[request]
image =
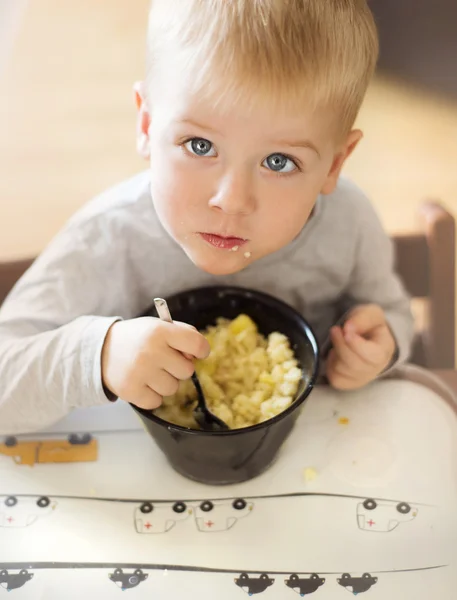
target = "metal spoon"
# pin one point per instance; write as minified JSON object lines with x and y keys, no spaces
{"x":204,"y":417}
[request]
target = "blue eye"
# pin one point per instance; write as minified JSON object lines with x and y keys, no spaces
{"x":200,"y":147}
{"x":279,"y":163}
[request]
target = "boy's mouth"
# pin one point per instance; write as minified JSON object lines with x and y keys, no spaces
{"x":223,"y":242}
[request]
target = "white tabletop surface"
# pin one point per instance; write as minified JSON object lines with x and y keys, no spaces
{"x":379,"y":518}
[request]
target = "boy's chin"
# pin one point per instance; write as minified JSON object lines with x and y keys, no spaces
{"x":224,"y":266}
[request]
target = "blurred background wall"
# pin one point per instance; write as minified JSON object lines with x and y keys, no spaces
{"x":67,"y":116}
{"x":419,"y":41}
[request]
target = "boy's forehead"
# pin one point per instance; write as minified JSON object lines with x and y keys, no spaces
{"x":179,"y":103}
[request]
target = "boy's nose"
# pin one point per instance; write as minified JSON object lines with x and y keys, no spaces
{"x":234,"y":195}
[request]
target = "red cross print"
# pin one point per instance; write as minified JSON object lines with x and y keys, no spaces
{"x":10,"y":519}
{"x":148,"y":525}
{"x":371,"y":523}
{"x":209,"y":524}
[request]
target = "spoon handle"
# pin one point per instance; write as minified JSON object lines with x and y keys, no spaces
{"x":164,"y":314}
{"x":163,"y":310}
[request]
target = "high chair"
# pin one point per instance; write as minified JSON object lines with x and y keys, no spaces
{"x":425,"y":260}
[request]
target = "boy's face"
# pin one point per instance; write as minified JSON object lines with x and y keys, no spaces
{"x":233,"y":187}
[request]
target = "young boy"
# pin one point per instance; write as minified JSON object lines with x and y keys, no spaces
{"x":246,"y":118}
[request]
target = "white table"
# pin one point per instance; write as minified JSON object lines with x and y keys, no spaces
{"x":380,"y":518}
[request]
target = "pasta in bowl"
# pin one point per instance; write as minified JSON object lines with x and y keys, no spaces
{"x":247,"y":379}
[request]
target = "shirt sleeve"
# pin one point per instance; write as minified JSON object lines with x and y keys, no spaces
{"x":374,"y":280}
{"x":52,"y":329}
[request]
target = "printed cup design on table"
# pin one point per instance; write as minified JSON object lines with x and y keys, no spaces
{"x":24,"y":511}
{"x":13,"y":581}
{"x":357,"y":585}
{"x":160,"y":517}
{"x":254,"y":585}
{"x":383,"y":517}
{"x":305,"y":586}
{"x":127,"y":581}
{"x":221,"y":515}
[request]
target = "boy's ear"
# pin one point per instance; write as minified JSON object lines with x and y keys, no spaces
{"x":143,"y":121}
{"x":340,"y":158}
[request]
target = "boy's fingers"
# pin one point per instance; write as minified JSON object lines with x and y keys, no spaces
{"x":384,"y":337}
{"x":147,"y":399}
{"x":188,"y":340}
{"x":335,"y":365}
{"x":346,"y":355}
{"x":164,"y":384}
{"x":372,"y":352}
{"x":338,"y":375}
{"x":179,"y":365}
{"x":188,"y":325}
{"x":363,"y":319}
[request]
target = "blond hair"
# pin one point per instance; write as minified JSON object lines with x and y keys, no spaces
{"x":321,"y":53}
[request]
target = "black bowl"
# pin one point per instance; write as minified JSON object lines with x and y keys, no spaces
{"x":226,"y":457}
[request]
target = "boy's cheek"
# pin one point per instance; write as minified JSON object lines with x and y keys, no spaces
{"x":176,"y":207}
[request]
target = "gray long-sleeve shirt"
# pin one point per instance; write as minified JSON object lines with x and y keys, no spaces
{"x":113,"y":257}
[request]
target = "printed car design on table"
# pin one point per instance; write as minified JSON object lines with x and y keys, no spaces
{"x":254,"y":585}
{"x":220,"y":515}
{"x":127,"y":581}
{"x":357,"y":585}
{"x":209,"y":515}
{"x":24,"y":511}
{"x":76,"y":448}
{"x":383,"y":516}
{"x":13,"y":581}
{"x":305,"y":586}
{"x":160,"y":517}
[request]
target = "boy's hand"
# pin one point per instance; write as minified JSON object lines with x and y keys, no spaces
{"x":362,"y":348}
{"x":143,"y":359}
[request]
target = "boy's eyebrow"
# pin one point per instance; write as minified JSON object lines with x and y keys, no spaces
{"x":299,"y":144}
{"x":196,"y":124}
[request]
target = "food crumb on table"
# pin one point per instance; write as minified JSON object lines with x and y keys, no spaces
{"x":309,"y":474}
